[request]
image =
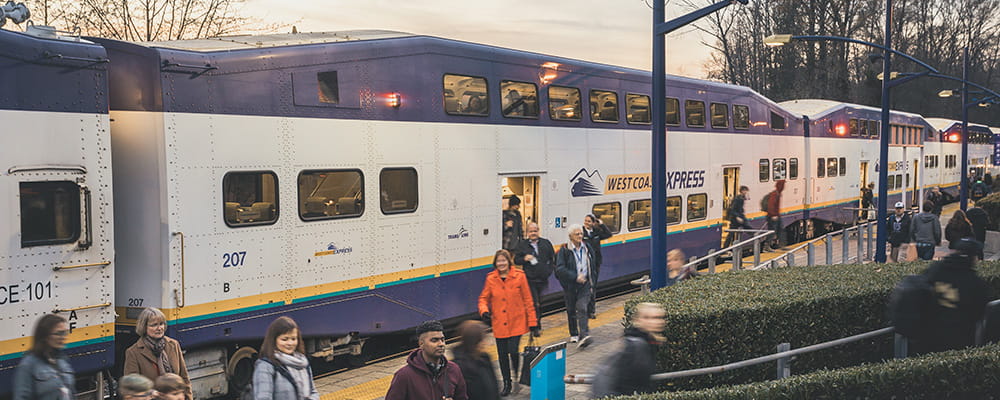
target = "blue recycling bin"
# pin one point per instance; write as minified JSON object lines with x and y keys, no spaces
{"x":547,"y":371}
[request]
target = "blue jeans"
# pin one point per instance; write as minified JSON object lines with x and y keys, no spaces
{"x":925,"y":251}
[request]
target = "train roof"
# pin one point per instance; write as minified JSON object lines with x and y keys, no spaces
{"x":819,"y":108}
{"x":243,"y":42}
{"x":943,"y":124}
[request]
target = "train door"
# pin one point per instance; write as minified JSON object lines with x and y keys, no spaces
{"x":525,"y":189}
{"x":730,"y":188}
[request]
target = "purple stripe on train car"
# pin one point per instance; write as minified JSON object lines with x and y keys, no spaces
{"x":282,"y":81}
{"x":51,"y":75}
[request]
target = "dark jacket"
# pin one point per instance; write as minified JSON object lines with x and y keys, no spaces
{"x":867,"y":197}
{"x":628,"y":371}
{"x":980,"y":220}
{"x":139,"y":359}
{"x":594,"y":238}
{"x":961,"y":298}
{"x":480,"y":379}
{"x":926,"y":228}
{"x":415,"y":382}
{"x":566,"y":266}
{"x":512,"y":235}
{"x":937,"y":200}
{"x":736,"y":214}
{"x":955,"y":231}
{"x":273,"y":381}
{"x":546,"y":256}
{"x":37,"y":379}
{"x":899,"y":232}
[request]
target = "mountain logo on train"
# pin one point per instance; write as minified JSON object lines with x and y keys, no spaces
{"x":582,"y":185}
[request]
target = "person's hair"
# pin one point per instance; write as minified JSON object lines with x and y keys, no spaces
{"x":169,"y":383}
{"x":676,"y":252}
{"x":146,"y":317}
{"x":742,"y":188}
{"x":959,"y":221}
{"x":514,"y":201}
{"x":472,"y":333}
{"x":44,"y":328}
{"x":928,"y":207}
{"x":429,"y":326}
{"x":133,"y":384}
{"x":573,"y":228}
{"x":643,"y":308}
{"x":593,"y":218}
{"x":505,"y":254}
{"x":280,"y":326}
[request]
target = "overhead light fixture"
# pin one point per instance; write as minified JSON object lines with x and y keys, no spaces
{"x":777,"y":40}
{"x":946,"y":93}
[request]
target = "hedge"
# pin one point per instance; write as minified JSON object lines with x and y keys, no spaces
{"x":991,"y":204}
{"x":960,"y":374}
{"x":723,"y":318}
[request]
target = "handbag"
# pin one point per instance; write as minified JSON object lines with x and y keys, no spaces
{"x":529,"y":354}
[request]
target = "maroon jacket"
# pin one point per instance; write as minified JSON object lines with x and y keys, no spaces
{"x":415,"y":382}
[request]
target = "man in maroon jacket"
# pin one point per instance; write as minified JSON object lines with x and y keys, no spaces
{"x":774,"y":213}
{"x":428,"y":375}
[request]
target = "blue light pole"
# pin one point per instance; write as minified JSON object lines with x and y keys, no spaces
{"x":658,"y":155}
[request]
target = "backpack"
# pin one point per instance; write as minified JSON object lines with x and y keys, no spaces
{"x":978,"y":190}
{"x":910,"y":305}
{"x":764,"y":200}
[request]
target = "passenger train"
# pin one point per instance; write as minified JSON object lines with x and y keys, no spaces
{"x":355,"y":180}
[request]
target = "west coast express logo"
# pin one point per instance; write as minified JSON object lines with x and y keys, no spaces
{"x":462,"y":233}
{"x":632,"y":183}
{"x":332,"y":249}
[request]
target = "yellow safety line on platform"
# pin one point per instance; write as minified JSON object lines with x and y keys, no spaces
{"x":377,"y":388}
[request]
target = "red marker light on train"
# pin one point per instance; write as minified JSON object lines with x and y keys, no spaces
{"x":954,"y":138}
{"x":840,"y":130}
{"x":394,"y":100}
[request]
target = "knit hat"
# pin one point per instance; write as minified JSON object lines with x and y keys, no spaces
{"x":514,"y":201}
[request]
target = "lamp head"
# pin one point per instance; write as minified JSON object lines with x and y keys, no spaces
{"x":777,"y":40}
{"x":892,"y":75}
{"x":946,"y":93}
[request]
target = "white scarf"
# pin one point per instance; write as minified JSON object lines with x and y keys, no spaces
{"x":298,"y":366}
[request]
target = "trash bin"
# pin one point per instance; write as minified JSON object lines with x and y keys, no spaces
{"x":547,"y":371}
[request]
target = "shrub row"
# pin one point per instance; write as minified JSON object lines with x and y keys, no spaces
{"x":724,"y":318}
{"x":961,"y":374}
{"x":991,"y":204}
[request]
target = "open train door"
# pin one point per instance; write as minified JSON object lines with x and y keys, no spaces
{"x":527,"y":191}
{"x":730,"y":188}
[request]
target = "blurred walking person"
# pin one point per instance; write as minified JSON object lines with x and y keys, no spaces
{"x":44,"y":373}
{"x":628,"y":371}
{"x":573,"y":269}
{"x":676,"y":271}
{"x":773,"y":210}
{"x":477,"y":369}
{"x":282,"y":372}
{"x":135,"y":387}
{"x":506,"y":303}
{"x":170,"y":387}
{"x":737,"y":216}
{"x":155,"y":353}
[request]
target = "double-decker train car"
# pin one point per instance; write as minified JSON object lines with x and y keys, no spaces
{"x":55,"y":201}
{"x":981,"y":150}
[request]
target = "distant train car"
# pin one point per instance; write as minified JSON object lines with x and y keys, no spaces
{"x":56,"y":201}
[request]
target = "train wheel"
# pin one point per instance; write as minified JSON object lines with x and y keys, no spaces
{"x":239,"y":370}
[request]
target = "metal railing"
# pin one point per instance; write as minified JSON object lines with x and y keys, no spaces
{"x":784,"y":355}
{"x":864,"y":235}
{"x":736,"y":249}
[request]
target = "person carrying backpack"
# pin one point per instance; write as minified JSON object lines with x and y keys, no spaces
{"x":629,"y":371}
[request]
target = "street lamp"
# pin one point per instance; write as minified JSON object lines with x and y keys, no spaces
{"x":883,"y":172}
{"x":658,"y":161}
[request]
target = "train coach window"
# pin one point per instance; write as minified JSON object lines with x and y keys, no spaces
{"x":694,"y":112}
{"x":50,"y":213}
{"x":831,"y":167}
{"x":466,"y":95}
{"x":673,"y":112}
{"x":764,"y":169}
{"x":564,"y":103}
{"x":637,"y":111}
{"x":820,"y":167}
{"x":331,"y":194}
{"x":793,"y":168}
{"x":673,"y":210}
{"x":329,"y":91}
{"x":863,"y":127}
{"x":873,"y":128}
{"x":843,"y":166}
{"x":780,"y":168}
{"x":398,"y":190}
{"x":518,"y":99}
{"x":610,"y":214}
{"x":741,"y":117}
{"x":250,"y":198}
{"x":720,"y":115}
{"x":697,"y":207}
{"x":639,"y":214}
{"x":778,"y":122}
{"x":852,"y":126}
{"x":603,"y":106}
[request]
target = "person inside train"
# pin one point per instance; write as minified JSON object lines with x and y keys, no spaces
{"x":135,"y":387}
{"x":477,"y":369}
{"x":506,"y":303}
{"x":282,"y":372}
{"x":512,"y":228}
{"x":537,"y":258}
{"x":476,"y":105}
{"x":428,"y":375}
{"x":155,"y":353}
{"x":574,"y":270}
{"x":45,"y":373}
{"x":737,"y":215}
{"x":170,"y":387}
{"x":594,"y":231}
{"x":514,"y":105}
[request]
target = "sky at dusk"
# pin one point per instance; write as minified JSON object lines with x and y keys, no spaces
{"x":614,"y":32}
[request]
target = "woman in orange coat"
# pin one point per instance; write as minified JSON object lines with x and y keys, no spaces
{"x":506,"y":301}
